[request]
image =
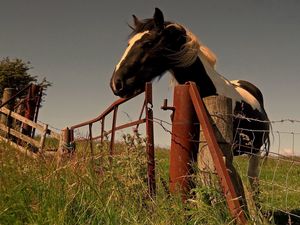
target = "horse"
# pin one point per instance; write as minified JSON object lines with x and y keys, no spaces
{"x":156,"y":46}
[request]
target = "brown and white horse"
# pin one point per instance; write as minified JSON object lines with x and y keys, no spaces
{"x":157,"y":46}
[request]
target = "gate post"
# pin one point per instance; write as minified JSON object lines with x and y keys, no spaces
{"x":150,"y":140}
{"x":31,"y":102}
{"x":7,"y":94}
{"x":184,"y":143}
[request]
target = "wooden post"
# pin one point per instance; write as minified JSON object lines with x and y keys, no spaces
{"x":64,"y":142}
{"x":220,"y":110}
{"x":7,"y":94}
{"x":43,"y":138}
{"x":20,"y":109}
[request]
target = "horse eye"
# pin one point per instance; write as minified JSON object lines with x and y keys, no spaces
{"x":148,"y":44}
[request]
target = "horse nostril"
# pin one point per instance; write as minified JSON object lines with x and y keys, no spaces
{"x":119,"y":84}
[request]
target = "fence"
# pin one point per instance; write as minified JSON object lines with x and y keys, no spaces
{"x":19,"y":121}
{"x":148,"y":119}
{"x":278,"y":176}
{"x":180,"y":148}
{"x":35,"y":145}
{"x":279,"y":190}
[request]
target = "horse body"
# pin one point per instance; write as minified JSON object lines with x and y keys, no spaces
{"x":158,"y":46}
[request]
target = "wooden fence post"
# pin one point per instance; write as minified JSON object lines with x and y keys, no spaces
{"x":220,"y":110}
{"x":7,"y":94}
{"x":64,"y":143}
{"x":43,"y":138}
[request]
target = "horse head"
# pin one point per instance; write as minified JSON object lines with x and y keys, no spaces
{"x":148,"y":55}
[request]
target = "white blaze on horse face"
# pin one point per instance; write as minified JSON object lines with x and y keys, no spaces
{"x":132,"y":41}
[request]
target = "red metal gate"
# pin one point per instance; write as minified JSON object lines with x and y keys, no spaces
{"x":113,"y":108}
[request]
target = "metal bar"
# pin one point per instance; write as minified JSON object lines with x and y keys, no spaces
{"x":102,"y":130}
{"x":183,"y":145}
{"x":127,"y":125}
{"x":119,"y":128}
{"x":30,"y":108}
{"x":37,"y":109}
{"x":107,"y":111}
{"x":150,"y":140}
{"x":91,"y":139}
{"x":112,"y":138}
{"x":140,"y":116}
{"x":217,"y":156}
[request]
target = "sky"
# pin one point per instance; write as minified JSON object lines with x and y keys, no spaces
{"x":76,"y":44}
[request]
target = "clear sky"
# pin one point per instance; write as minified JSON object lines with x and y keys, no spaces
{"x":76,"y":45}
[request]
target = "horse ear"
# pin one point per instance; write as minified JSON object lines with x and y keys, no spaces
{"x":136,"y":21}
{"x":158,"y":18}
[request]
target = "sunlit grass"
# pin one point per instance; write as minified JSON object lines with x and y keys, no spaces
{"x":98,"y":189}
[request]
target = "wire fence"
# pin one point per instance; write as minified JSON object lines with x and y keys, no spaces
{"x":279,"y":172}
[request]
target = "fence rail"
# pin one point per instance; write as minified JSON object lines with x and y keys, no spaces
{"x":25,"y":140}
{"x":272,"y":181}
{"x":113,"y":108}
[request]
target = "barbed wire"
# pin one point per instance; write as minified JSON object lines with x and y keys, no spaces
{"x":271,"y":184}
{"x":50,"y":126}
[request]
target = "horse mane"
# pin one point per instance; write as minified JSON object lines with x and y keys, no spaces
{"x":188,"y":52}
{"x":191,"y":50}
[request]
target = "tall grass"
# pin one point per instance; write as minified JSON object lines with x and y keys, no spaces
{"x":97,"y":190}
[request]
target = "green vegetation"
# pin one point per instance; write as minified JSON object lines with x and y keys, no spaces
{"x":97,"y":190}
{"x":279,"y":182}
{"x":14,"y":73}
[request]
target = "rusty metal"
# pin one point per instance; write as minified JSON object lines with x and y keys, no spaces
{"x":166,"y":107}
{"x":150,"y":140}
{"x":102,"y":130}
{"x":113,"y":131}
{"x":217,"y":156}
{"x":131,"y":124}
{"x":91,"y":139}
{"x":183,"y":145}
{"x":147,"y":108}
{"x":30,"y":103}
{"x":37,"y":107}
{"x":104,"y":114}
{"x":140,"y":117}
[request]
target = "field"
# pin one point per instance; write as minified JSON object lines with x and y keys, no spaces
{"x":90,"y":190}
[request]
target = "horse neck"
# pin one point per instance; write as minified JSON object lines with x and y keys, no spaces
{"x":197,"y":73}
{"x":209,"y":81}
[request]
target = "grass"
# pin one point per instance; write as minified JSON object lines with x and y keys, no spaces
{"x":91,"y":190}
{"x":279,"y":182}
